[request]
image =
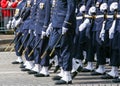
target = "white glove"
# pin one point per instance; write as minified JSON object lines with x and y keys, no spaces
{"x":43,"y":34}
{"x":97,"y":4}
{"x":112,"y":30}
{"x":64,"y":30}
{"x":102,"y":33}
{"x":82,"y":9}
{"x":29,"y":31}
{"x":113,"y":6}
{"x":103,"y":7}
{"x":17,"y":23}
{"x":92,"y":10}
{"x":34,"y":33}
{"x":49,"y":29}
{"x":84,"y":25}
{"x":9,"y":24}
{"x":13,"y":23}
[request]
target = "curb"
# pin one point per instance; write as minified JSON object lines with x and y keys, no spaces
{"x":6,"y":41}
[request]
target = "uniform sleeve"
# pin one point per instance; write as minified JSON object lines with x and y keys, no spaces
{"x":4,"y":4}
{"x":47,"y":15}
{"x":70,"y":13}
{"x":26,"y":13}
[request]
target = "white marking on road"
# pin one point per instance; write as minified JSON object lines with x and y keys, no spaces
{"x":11,"y":72}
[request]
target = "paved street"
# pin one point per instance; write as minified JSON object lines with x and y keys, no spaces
{"x":11,"y":75}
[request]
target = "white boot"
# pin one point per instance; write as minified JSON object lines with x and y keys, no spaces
{"x":114,"y":72}
{"x":75,"y":64}
{"x":19,"y":59}
{"x":101,"y":69}
{"x":26,"y":63}
{"x":44,"y":70}
{"x":67,"y":76}
{"x":89,"y":66}
{"x":36,"y":68}
{"x":61,"y":74}
{"x":51,"y":61}
{"x":108,"y":60}
{"x":56,"y":60}
{"x":30,"y":65}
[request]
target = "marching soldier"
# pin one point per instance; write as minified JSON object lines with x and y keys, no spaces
{"x":117,"y":32}
{"x":114,"y":62}
{"x":88,"y":25}
{"x":30,"y":30}
{"x":80,"y":43}
{"x":64,"y":23}
{"x":41,"y":22}
{"x":97,"y":44}
{"x":18,"y":33}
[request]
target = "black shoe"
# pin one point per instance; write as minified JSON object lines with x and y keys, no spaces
{"x":79,"y":69}
{"x":86,"y":70}
{"x":25,"y":69}
{"x":117,"y":80}
{"x":107,"y":76}
{"x":16,"y":62}
{"x":32,"y":72}
{"x":74,"y":74}
{"x":41,"y":75}
{"x":22,"y":66}
{"x":60,"y":82}
{"x":50,"y":65}
{"x":56,"y":78}
{"x":56,"y":68}
{"x":96,"y":73}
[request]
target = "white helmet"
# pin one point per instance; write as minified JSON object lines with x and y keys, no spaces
{"x":82,"y":9}
{"x":103,"y":7}
{"x":92,"y":10}
{"x":113,"y":6}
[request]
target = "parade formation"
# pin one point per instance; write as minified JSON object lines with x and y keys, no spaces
{"x":64,"y":33}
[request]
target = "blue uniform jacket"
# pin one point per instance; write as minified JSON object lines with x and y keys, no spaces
{"x":42,"y":17}
{"x":64,"y":14}
{"x":31,"y":17}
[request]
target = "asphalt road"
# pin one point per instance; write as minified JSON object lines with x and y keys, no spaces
{"x":11,"y":75}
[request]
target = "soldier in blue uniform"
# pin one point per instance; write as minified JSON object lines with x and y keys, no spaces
{"x":18,"y":13}
{"x":80,"y":40}
{"x":97,"y":44}
{"x":112,"y":32}
{"x":116,"y":44}
{"x":64,"y":24}
{"x":29,"y":29}
{"x":41,"y":22}
{"x":88,"y":24}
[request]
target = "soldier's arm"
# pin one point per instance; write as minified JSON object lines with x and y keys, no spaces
{"x":47,"y":15}
{"x":70,"y":12}
{"x":26,"y":13}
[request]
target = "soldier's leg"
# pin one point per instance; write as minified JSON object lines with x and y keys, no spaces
{"x":117,"y":80}
{"x":37,"y":54}
{"x":66,"y":56}
{"x":80,"y":45}
{"x":107,"y":47}
{"x":114,"y":62}
{"x":45,"y":60}
{"x":29,"y":59}
{"x":90,"y":53}
{"x":17,"y":46}
{"x":101,"y":60}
